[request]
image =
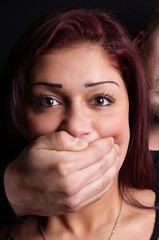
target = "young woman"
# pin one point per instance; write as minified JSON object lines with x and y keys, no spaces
{"x":76,"y":73}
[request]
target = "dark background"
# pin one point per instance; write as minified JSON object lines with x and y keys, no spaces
{"x":16,"y":15}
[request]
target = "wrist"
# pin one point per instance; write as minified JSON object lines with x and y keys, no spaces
{"x":7,"y":214}
{"x":11,"y":190}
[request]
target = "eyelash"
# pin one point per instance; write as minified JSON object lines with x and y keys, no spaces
{"x":110,"y":98}
{"x":38,"y":101}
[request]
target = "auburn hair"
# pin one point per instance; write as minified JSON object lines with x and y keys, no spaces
{"x":64,"y":28}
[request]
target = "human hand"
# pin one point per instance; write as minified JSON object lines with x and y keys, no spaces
{"x":58,"y":173}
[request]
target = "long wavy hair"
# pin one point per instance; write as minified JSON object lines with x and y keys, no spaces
{"x":65,"y":28}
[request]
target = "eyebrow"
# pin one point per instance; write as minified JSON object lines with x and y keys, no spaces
{"x":98,"y":83}
{"x":54,"y":85}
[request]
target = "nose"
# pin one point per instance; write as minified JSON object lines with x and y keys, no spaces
{"x":77,"y":122}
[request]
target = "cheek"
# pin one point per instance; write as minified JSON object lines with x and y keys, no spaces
{"x":41,"y":124}
{"x":116,"y":126}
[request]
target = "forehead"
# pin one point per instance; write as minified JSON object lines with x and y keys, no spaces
{"x":86,"y":60}
{"x":80,"y":52}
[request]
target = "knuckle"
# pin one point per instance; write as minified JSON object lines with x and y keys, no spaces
{"x":71,"y":203}
{"x":62,"y":168}
{"x":70,"y":188}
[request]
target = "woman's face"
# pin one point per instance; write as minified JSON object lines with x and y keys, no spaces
{"x":78,"y":90}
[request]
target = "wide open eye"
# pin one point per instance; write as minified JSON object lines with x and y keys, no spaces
{"x":102,"y":100}
{"x":46,"y":102}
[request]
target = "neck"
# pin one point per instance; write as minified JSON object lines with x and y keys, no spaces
{"x":154,"y":138}
{"x":97,"y":215}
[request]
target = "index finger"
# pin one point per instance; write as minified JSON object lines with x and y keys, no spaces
{"x":61,"y":141}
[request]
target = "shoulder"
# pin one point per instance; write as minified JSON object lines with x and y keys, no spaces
{"x":147,"y":197}
{"x":140,"y":214}
{"x":142,"y":205}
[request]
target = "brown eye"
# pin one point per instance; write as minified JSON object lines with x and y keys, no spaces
{"x":46,"y":102}
{"x":101,"y":101}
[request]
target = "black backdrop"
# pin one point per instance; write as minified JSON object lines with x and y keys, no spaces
{"x":16,"y":15}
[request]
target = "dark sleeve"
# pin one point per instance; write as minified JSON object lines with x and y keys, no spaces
{"x":155,"y":235}
{"x":7,"y":214}
{"x":157,"y":177}
{"x":155,"y":159}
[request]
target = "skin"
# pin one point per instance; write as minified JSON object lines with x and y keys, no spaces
{"x":44,"y":161}
{"x":47,"y":160}
{"x":75,"y":109}
{"x":94,"y":106}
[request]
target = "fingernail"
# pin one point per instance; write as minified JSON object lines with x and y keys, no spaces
{"x":118,"y":159}
{"x":112,"y":140}
{"x":116,"y":147}
{"x":80,"y":141}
